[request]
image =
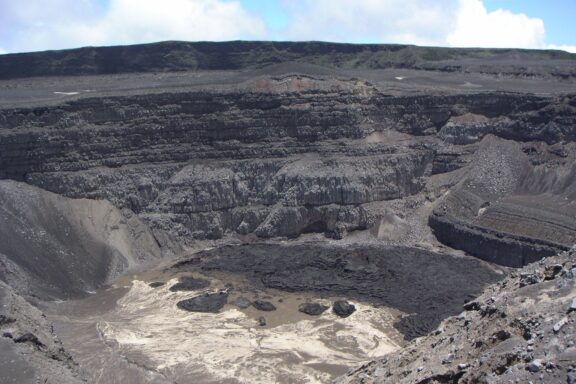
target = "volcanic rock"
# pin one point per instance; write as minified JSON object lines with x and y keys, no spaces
{"x":391,"y":276}
{"x":312,"y":309}
{"x":263,"y":305}
{"x":62,"y":248}
{"x":242,"y":302}
{"x":29,"y":338}
{"x":343,"y":308}
{"x":501,"y":189}
{"x":210,"y":302}
{"x":390,"y":149}
{"x":189,"y":284}
{"x":533,"y":342}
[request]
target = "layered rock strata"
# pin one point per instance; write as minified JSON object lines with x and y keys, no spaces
{"x":508,"y":211}
{"x":198,"y":165}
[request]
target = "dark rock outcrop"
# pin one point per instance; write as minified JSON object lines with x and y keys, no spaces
{"x":190,"y":284}
{"x":297,"y":138}
{"x":210,"y":302}
{"x":203,"y":164}
{"x":510,"y":334}
{"x":343,"y":308}
{"x":398,"y":277}
{"x":508,"y":211}
{"x":29,"y":338}
{"x":312,"y":309}
{"x":263,"y":305}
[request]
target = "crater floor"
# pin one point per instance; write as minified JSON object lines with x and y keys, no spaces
{"x":161,"y":343}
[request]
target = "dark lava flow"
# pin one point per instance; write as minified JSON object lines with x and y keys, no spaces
{"x":428,"y":286}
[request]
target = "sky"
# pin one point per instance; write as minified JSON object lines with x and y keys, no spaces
{"x":36,"y":25}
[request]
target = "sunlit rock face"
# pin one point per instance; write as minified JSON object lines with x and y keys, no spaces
{"x":201,"y":165}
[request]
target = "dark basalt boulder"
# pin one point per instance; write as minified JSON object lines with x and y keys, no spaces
{"x":343,"y":308}
{"x":312,"y":309}
{"x":263,"y":305}
{"x":210,"y":302}
{"x":242,"y":303}
{"x":156,"y":284}
{"x":190,"y":284}
{"x":6,"y":320}
{"x":29,"y":338}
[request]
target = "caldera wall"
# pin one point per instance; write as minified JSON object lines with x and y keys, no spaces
{"x":201,"y":164}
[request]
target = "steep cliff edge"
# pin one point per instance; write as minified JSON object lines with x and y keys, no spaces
{"x":507,"y":210}
{"x":197,"y":165}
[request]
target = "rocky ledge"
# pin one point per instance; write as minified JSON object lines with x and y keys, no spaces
{"x":507,"y":209}
{"x":521,"y":329}
{"x":203,"y":165}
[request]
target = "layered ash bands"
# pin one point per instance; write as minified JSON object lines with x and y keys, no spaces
{"x":200,"y":165}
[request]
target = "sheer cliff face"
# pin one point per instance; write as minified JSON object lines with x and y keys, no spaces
{"x":198,"y":165}
{"x":202,"y":164}
{"x":273,"y":139}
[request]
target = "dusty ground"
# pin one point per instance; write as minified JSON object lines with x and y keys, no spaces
{"x":160,"y":343}
{"x":398,"y":82}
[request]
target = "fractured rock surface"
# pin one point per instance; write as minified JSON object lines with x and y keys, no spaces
{"x":291,"y":148}
{"x":512,"y":333}
{"x":426,"y":285}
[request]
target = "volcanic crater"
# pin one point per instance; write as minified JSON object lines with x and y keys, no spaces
{"x":267,"y":212}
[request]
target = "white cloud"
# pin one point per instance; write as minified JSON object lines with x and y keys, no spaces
{"x":476,"y":27}
{"x":55,"y":24}
{"x":3,"y":51}
{"x":456,"y":23}
{"x":424,"y":22}
{"x":152,"y":20}
{"x":75,"y":23}
{"x":563,"y":47}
